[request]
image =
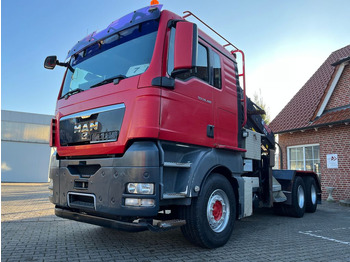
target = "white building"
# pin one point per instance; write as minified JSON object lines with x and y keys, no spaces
{"x":25,"y":151}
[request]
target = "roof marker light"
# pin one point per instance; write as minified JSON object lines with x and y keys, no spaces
{"x":154,"y":2}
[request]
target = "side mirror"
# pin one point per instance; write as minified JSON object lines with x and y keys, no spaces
{"x":185,"y":50}
{"x":50,"y":62}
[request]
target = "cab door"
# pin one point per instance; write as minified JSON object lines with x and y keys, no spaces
{"x":187,"y":110}
{"x":225,"y":101}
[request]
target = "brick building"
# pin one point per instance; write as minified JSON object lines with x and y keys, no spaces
{"x":314,"y":127}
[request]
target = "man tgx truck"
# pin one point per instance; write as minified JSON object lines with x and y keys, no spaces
{"x":152,"y":130}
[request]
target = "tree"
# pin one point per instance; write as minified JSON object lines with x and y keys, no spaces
{"x":258,"y":100}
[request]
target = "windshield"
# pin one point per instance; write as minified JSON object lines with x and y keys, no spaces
{"x":126,"y":53}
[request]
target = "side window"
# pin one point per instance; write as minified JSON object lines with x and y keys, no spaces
{"x":201,"y":71}
{"x":171,"y":51}
{"x":217,"y":70}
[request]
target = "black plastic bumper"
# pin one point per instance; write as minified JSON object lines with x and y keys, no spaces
{"x":99,"y":185}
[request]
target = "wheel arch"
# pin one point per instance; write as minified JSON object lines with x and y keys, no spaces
{"x":287,"y":177}
{"x":304,"y":174}
{"x":225,"y":172}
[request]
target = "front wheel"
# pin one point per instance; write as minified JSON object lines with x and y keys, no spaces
{"x":210,"y":217}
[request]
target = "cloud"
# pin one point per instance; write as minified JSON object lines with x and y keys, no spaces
{"x":5,"y":167}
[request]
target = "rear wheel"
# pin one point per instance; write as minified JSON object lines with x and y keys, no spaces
{"x":210,"y":217}
{"x":297,"y":209}
{"x":310,"y":195}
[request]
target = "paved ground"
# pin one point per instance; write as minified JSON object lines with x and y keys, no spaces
{"x":31,"y":232}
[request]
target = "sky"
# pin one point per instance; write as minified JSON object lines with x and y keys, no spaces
{"x":284,"y":41}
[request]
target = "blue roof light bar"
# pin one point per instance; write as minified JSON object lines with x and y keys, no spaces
{"x":129,"y":20}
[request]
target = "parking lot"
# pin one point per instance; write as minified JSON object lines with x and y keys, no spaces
{"x":31,"y":232}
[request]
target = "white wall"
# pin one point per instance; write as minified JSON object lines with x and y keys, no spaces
{"x":24,"y":162}
{"x":25,"y":151}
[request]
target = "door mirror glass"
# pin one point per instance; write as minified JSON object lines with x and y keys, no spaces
{"x":50,"y":62}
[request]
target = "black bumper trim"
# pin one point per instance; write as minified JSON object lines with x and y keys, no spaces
{"x":101,"y":221}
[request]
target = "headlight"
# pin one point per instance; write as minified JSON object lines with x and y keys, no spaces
{"x":138,"y":202}
{"x":140,"y":188}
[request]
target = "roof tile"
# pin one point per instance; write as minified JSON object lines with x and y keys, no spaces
{"x":299,"y":111}
{"x":333,"y":117}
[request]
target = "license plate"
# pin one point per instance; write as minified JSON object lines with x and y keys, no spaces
{"x":109,"y":136}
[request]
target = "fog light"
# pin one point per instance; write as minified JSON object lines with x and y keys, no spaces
{"x":137,"y":202}
{"x":140,"y":188}
{"x":132,"y":202}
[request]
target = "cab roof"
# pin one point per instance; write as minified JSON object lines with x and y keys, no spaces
{"x":139,"y":16}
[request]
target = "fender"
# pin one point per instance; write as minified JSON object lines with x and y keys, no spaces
{"x":287,"y":177}
{"x":215,"y":159}
{"x":192,"y":164}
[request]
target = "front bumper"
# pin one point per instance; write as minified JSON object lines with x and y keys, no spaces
{"x":98,"y":185}
{"x":101,"y":221}
{"x":135,"y":226}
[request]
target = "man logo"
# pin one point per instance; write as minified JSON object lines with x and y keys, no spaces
{"x":85,"y":128}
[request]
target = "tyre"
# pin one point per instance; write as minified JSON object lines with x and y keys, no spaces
{"x":297,"y":209}
{"x":310,"y":195}
{"x":211,"y":216}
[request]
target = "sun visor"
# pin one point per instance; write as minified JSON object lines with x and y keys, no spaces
{"x":134,"y":18}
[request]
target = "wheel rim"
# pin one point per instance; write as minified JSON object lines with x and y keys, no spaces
{"x":313,"y":194}
{"x":218,"y":210}
{"x":301,"y":196}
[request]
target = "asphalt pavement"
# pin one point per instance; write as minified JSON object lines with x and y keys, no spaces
{"x":31,"y":232}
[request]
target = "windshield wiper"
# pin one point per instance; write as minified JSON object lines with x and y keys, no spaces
{"x":72,"y":92}
{"x":114,"y":79}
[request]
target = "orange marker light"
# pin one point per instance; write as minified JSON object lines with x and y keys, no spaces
{"x":154,"y":2}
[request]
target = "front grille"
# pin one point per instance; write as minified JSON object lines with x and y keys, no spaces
{"x":100,"y":125}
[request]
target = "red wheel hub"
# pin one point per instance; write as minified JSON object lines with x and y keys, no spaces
{"x":217,"y":210}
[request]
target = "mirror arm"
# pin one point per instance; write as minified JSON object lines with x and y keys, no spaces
{"x":164,"y":81}
{"x":65,"y":65}
{"x":175,"y":73}
{"x":172,"y":23}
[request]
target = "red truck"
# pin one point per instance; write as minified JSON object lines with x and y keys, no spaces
{"x":153,"y":130}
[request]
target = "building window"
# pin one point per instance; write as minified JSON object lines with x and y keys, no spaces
{"x":305,"y":157}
